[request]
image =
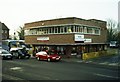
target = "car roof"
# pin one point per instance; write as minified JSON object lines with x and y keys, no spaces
{"x":42,"y":52}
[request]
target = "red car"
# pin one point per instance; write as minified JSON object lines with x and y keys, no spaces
{"x":42,"y":55}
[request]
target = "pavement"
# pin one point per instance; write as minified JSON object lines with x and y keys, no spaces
{"x":112,"y":60}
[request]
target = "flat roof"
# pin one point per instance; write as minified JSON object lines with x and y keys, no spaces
{"x":67,"y":20}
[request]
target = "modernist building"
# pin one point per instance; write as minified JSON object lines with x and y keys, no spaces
{"x":68,"y":36}
{"x":4,"y":31}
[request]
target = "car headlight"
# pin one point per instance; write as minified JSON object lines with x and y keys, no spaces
{"x":48,"y":56}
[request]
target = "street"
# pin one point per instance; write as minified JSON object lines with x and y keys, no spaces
{"x":31,"y":69}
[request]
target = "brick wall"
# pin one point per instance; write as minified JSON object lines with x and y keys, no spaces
{"x":53,"y":39}
{"x":67,"y":38}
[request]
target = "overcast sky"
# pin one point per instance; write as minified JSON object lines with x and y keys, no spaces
{"x":15,"y":13}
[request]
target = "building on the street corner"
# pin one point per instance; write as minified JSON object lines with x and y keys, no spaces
{"x":4,"y":31}
{"x":68,"y":36}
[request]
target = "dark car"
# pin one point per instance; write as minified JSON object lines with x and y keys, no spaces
{"x":20,"y":53}
{"x":42,"y":55}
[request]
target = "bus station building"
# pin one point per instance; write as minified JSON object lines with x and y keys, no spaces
{"x":69,"y":36}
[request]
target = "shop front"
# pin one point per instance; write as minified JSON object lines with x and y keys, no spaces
{"x":81,"y":51}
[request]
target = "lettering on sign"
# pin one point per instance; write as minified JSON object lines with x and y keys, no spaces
{"x":79,"y":37}
{"x":86,"y":40}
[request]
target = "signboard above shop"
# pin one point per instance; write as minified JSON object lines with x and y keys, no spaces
{"x":43,"y":38}
{"x":86,"y":40}
{"x":81,"y":39}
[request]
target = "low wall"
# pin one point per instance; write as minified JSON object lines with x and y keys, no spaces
{"x":94,"y":54}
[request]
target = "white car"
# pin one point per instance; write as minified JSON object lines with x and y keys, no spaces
{"x":5,"y":54}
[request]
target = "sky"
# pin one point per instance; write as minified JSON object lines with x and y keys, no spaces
{"x":15,"y":13}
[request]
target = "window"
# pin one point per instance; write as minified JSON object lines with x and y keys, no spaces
{"x":89,"y":30}
{"x":75,"y":28}
{"x":97,"y":31}
{"x":65,"y":29}
{"x":45,"y":31}
{"x":85,"y":29}
{"x":56,"y":30}
{"x":81,"y":29}
{"x":26,"y":32}
{"x":50,"y":30}
{"x":69,"y":30}
{"x":62,"y":29}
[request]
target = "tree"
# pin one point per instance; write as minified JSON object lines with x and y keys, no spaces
{"x":113,"y":34}
{"x":118,"y":37}
{"x":111,"y":30}
{"x":118,"y":33}
{"x":21,"y":33}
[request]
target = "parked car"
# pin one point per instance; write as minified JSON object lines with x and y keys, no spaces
{"x":19,"y":53}
{"x":43,"y":55}
{"x":5,"y":54}
{"x":113,"y":44}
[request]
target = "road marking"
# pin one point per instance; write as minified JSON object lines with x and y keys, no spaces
{"x":106,"y":76}
{"x":113,"y":64}
{"x":15,"y":68}
{"x":104,"y":63}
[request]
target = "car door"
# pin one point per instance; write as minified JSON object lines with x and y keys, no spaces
{"x":42,"y":55}
{"x":45,"y":56}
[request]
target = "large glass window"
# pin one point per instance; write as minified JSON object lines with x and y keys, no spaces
{"x":63,"y":29}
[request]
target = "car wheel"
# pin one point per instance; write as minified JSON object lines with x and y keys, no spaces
{"x":48,"y":60}
{"x":11,"y":58}
{"x":28,"y":57}
{"x":38,"y":58}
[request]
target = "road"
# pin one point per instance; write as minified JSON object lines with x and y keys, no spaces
{"x":31,"y":69}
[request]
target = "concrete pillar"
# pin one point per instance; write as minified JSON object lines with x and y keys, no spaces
{"x":68,"y":51}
